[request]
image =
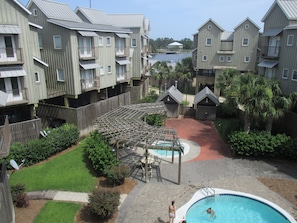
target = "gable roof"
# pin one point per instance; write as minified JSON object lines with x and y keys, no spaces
{"x":247,"y":19}
{"x":175,"y":44}
{"x":22,"y":7}
{"x":174,"y":93}
{"x":227,"y":36}
{"x":127,"y":20}
{"x":94,"y":16}
{"x":288,"y":7}
{"x":56,"y":10}
{"x":210,"y":20}
{"x":206,"y":93}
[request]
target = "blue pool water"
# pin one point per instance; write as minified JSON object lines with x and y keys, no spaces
{"x":234,"y":209}
{"x":165,"y":153}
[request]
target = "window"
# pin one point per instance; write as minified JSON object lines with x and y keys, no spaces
{"x":204,"y":58}
{"x":208,"y":42}
{"x":209,"y":27}
{"x":37,"y":78}
{"x":100,"y":41}
{"x":109,"y":70}
{"x":285,"y":73}
{"x":108,"y":41}
{"x":221,"y":58}
{"x":133,"y":42}
{"x":228,"y":59}
{"x":34,"y":12}
{"x":246,"y":59}
{"x":101,"y":70}
{"x":245,"y":42}
{"x":40,"y":41}
{"x":60,"y":75}
{"x":57,"y":42}
{"x":290,"y":40}
{"x":246,"y":26}
{"x":294,"y":75}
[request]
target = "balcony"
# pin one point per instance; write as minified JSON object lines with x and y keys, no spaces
{"x":11,"y":56}
{"x":88,"y":85}
{"x":122,"y":51}
{"x":87,"y":53}
{"x":17,"y":96}
{"x":270,"y":52}
{"x":123,"y":77}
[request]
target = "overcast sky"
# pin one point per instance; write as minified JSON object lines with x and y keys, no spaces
{"x":180,"y":19}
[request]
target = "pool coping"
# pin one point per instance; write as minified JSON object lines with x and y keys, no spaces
{"x":201,"y":194}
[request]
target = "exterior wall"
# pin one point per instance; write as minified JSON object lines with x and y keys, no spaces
{"x":209,"y":51}
{"x":252,"y":33}
{"x":136,"y":58}
{"x":206,"y":112}
{"x":276,"y":19}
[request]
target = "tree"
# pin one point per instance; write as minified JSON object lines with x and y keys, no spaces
{"x":161,"y":71}
{"x":225,"y":78}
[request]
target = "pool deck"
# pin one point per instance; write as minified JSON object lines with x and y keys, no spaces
{"x":212,"y":166}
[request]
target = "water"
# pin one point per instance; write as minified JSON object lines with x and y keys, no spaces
{"x":168,"y":153}
{"x":234,"y":209}
{"x":171,"y":58}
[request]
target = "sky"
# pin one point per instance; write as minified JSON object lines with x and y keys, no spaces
{"x":179,"y":19}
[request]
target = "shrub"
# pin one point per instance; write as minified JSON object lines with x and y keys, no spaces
{"x":103,"y":203}
{"x":116,"y":175}
{"x":99,"y":153}
{"x":16,"y":190}
{"x":155,"y":119}
{"x":22,"y":200}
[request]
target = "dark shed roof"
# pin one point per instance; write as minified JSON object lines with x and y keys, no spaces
{"x":174,"y":93}
{"x":206,"y":93}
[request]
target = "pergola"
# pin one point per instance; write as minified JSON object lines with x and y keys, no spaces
{"x":126,"y":125}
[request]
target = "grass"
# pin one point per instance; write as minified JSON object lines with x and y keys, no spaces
{"x":67,"y":172}
{"x":58,"y":212}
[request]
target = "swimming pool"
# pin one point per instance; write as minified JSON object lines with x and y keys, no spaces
{"x":233,"y":207}
{"x":168,"y":153}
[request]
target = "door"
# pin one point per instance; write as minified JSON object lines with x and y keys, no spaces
{"x":7,"y":49}
{"x":273,"y":48}
{"x":120,"y":46}
{"x":12,"y":87}
{"x":85,"y":46}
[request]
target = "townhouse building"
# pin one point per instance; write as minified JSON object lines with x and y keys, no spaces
{"x":139,"y":44}
{"x":22,"y":78}
{"x":278,"y":45}
{"x":216,"y":49}
{"x":88,"y":63}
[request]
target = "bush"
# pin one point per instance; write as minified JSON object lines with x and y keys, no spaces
{"x":99,"y":153}
{"x":116,"y":175}
{"x":37,"y":150}
{"x":257,"y":143}
{"x":16,"y":190}
{"x":22,"y":200}
{"x":19,"y":197}
{"x":155,"y":120}
{"x":103,"y":203}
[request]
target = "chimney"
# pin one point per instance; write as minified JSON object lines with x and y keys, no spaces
{"x":165,"y":87}
{"x":175,"y":84}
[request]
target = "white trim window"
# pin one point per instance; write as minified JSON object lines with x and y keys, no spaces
{"x":294,"y":75}
{"x":290,"y":40}
{"x":245,"y":42}
{"x":40,"y":41}
{"x":60,"y":75}
{"x":34,"y":12}
{"x":222,"y":59}
{"x":285,"y":73}
{"x":208,"y":42}
{"x":229,"y":59}
{"x":101,"y":70}
{"x":204,"y":58}
{"x":246,"y":59}
{"x":133,"y":42}
{"x":57,"y":42}
{"x":37,"y":77}
{"x":109,"y":69}
{"x":108,"y":41}
{"x":100,"y":41}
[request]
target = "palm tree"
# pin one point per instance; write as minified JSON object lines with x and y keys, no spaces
{"x":225,"y":78}
{"x":161,"y":71}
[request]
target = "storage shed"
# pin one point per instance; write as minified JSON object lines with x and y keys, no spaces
{"x":172,"y":99}
{"x":205,"y":104}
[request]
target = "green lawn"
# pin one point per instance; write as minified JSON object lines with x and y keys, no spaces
{"x":67,"y":172}
{"x":58,"y":212}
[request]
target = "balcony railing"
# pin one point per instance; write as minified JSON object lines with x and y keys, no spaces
{"x":270,"y":52}
{"x":122,"y":51}
{"x":87,"y":85}
{"x":17,"y":96}
{"x":11,"y":56}
{"x":87,"y":53}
